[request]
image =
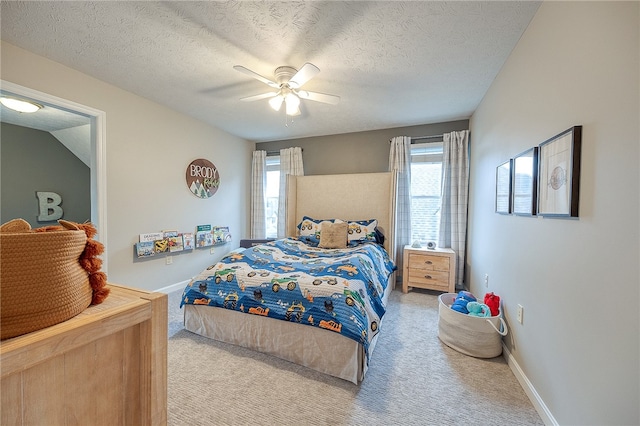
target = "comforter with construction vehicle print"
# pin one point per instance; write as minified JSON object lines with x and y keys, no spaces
{"x":339,"y":290}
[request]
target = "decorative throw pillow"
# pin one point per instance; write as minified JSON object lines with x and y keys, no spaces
{"x":310,"y":226}
{"x":333,"y":235}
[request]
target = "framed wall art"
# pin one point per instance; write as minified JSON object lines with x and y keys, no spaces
{"x":525,"y":182}
{"x":559,"y":174}
{"x":503,"y":188}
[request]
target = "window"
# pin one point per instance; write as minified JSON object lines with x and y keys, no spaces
{"x":426,"y":176}
{"x":272,"y":192}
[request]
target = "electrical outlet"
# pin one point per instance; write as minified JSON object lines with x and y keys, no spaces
{"x":520,"y":313}
{"x":212,"y":250}
{"x":486,"y":280}
{"x":169,"y":260}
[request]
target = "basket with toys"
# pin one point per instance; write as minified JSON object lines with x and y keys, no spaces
{"x":469,"y":326}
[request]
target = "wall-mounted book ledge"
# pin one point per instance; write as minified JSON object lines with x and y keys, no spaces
{"x":166,"y":242}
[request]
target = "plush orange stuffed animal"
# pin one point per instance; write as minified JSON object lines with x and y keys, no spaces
{"x":88,"y":259}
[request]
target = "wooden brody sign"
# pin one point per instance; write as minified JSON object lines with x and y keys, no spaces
{"x":203,"y":178}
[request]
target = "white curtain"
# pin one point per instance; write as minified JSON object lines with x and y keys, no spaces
{"x":258,"y":183}
{"x":290,"y":164}
{"x":455,"y":197}
{"x":400,"y":161}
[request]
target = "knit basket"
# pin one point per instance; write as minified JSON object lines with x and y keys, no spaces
{"x":480,"y":337}
{"x":42,"y":282}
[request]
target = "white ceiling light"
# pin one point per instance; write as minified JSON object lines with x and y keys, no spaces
{"x":276,"y":102}
{"x":291,"y":101}
{"x":20,"y":105}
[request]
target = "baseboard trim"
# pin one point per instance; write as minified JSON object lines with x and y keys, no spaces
{"x":527,"y":386}
{"x":173,"y":287}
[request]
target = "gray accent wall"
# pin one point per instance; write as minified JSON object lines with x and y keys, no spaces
{"x":361,"y":152}
{"x":34,"y":160}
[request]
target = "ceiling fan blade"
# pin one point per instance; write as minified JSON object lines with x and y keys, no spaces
{"x":255,"y":75}
{"x":304,"y":74}
{"x":319,"y":97}
{"x":258,"y":97}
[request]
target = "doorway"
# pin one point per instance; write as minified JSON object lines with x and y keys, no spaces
{"x":62,"y":113}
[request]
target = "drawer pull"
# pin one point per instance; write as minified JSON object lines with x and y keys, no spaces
{"x":428,"y":277}
{"x":428,"y":262}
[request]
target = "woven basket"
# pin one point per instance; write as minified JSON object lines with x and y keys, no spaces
{"x":474,"y":336}
{"x":42,"y":282}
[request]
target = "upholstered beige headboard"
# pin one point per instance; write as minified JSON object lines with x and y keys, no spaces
{"x":360,"y":196}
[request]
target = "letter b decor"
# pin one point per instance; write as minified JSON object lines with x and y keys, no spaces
{"x":50,"y":209}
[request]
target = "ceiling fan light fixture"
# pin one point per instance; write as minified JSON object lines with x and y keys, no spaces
{"x":276,"y":102}
{"x":20,"y":105}
{"x":294,"y":112}
{"x":288,"y":81}
{"x":292,"y":102}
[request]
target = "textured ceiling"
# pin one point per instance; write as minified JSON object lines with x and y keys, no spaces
{"x":392,"y":63}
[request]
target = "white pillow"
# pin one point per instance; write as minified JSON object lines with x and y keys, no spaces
{"x":361,"y":230}
{"x":311,"y":227}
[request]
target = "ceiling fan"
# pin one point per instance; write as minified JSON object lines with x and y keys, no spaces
{"x":287,"y":85}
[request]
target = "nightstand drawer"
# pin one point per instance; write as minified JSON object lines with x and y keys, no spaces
{"x":431,"y":279}
{"x":428,"y":263}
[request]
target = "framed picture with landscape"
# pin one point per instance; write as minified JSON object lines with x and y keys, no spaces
{"x":525,"y":182}
{"x":559,"y":174}
{"x":503,"y":188}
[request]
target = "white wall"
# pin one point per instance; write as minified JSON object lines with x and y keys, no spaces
{"x":577,"y":64}
{"x":148,"y":148}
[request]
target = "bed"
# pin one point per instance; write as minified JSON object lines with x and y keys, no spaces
{"x":322,"y":308}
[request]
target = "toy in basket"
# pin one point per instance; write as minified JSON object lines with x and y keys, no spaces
{"x":473,"y":335}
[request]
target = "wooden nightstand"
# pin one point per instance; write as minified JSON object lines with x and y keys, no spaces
{"x":431,"y":269}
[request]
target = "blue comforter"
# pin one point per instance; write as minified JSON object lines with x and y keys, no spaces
{"x":336,"y":289}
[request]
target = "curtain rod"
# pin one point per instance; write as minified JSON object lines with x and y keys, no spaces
{"x":416,"y":138}
{"x":426,"y":137}
{"x":272,"y":153}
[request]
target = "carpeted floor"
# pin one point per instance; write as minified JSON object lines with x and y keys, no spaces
{"x":413,"y":379}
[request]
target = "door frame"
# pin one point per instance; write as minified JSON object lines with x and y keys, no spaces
{"x":98,"y":152}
